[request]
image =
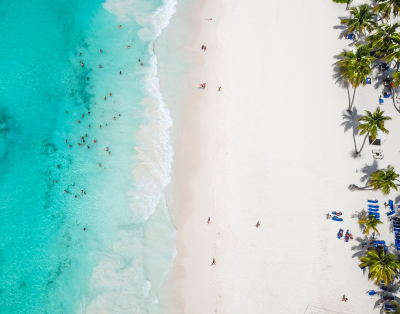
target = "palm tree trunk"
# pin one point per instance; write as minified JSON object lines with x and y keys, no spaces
{"x":351,"y":105}
{"x":365,"y":138}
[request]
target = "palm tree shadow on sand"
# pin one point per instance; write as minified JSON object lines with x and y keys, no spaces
{"x":358,"y":216}
{"x":350,"y":122}
{"x":343,"y":33}
{"x":367,"y":170}
{"x":359,"y":248}
{"x":339,"y":80}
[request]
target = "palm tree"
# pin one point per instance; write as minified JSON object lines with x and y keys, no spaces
{"x":381,"y":265}
{"x":355,"y":67}
{"x":396,"y":79}
{"x":384,"y":37}
{"x":370,"y":222}
{"x":384,"y":180}
{"x":371,"y":123}
{"x":385,"y":7}
{"x":363,"y":20}
{"x":393,"y":53}
{"x":344,"y":1}
{"x":396,"y":307}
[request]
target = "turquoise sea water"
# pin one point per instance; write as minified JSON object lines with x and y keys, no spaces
{"x":48,"y":263}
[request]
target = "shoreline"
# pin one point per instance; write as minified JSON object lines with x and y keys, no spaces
{"x":189,"y":280}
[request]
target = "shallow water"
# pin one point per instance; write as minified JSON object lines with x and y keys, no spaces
{"x":48,"y":263}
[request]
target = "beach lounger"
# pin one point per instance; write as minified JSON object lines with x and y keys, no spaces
{"x":377,"y":151}
{"x":335,"y":218}
{"x":390,"y":213}
{"x":373,"y":209}
{"x":351,"y":36}
{"x":371,"y":293}
{"x":389,"y":306}
{"x":368,"y":80}
{"x":378,"y":156}
{"x":373,"y":201}
{"x":373,"y":206}
{"x":340,"y":233}
{"x":386,"y":96}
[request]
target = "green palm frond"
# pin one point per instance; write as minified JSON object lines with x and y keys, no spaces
{"x":384,"y":38}
{"x":381,"y":266}
{"x":355,"y":66}
{"x":370,"y":222}
{"x":362,"y":20}
{"x":372,"y":122}
{"x":386,"y":7}
{"x":396,"y":79}
{"x":384,"y":179}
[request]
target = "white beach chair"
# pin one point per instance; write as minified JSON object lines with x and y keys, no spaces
{"x":378,"y":156}
{"x":377,"y":151}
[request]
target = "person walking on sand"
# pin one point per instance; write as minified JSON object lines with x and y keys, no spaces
{"x":202,"y":47}
{"x":219,"y":89}
{"x":205,"y":48}
{"x":209,"y":19}
{"x":344,"y":298}
{"x":213,"y":262}
{"x":258,"y":224}
{"x":208,"y":221}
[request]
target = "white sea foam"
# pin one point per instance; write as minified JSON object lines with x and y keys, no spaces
{"x":123,"y":280}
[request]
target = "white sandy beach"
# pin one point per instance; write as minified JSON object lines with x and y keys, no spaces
{"x":269,"y":147}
